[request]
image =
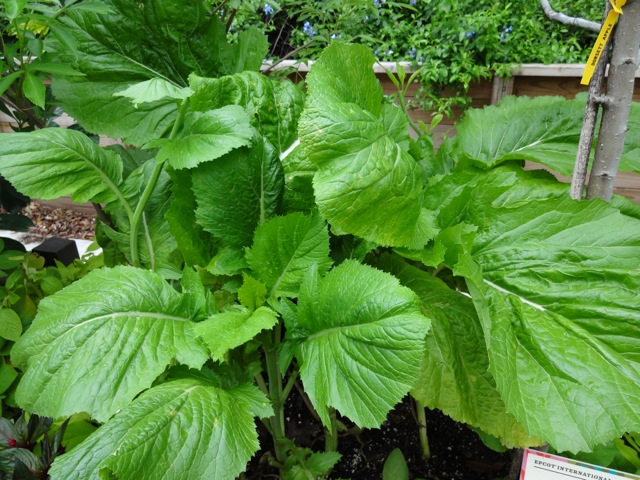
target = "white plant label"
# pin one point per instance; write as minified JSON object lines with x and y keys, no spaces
{"x":543,"y":466}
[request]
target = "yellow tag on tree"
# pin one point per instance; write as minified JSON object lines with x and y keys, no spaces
{"x":601,"y":41}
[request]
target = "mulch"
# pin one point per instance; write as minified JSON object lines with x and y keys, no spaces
{"x":60,"y":222}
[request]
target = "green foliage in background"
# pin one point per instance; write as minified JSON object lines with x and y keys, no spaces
{"x":458,"y":41}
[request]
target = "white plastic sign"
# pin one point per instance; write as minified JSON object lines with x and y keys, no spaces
{"x":544,"y":466}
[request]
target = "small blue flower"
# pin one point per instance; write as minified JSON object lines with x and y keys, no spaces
{"x":470,"y":34}
{"x":375,"y":52}
{"x":308,"y":29}
{"x":413,"y":2}
{"x":333,"y":36}
{"x":376,"y":3}
{"x":268,"y":9}
{"x":390,"y":52}
{"x":412,"y":52}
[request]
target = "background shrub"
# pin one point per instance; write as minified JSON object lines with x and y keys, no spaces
{"x":458,"y":41}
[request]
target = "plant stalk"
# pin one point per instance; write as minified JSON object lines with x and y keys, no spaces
{"x":331,"y":434}
{"x":148,"y":190}
{"x":422,"y":429}
{"x":276,"y":395}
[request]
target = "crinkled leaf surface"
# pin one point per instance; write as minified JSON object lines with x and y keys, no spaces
{"x":232,"y":328}
{"x":360,"y":340}
{"x":99,"y":342}
{"x":152,"y":90}
{"x":298,"y":187}
{"x":284,"y":248}
{"x":454,"y":376}
{"x":366,"y":184}
{"x":273,"y":106}
{"x":134,"y":43}
{"x":543,"y":129}
{"x":94,"y":106}
{"x":195,"y":245}
{"x":555,"y":284}
{"x":206,"y":136}
{"x":182,"y":429}
{"x":252,"y":294}
{"x":54,"y":162}
{"x":238,"y":192}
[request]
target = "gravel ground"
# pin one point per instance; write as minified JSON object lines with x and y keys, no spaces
{"x":59,"y":222}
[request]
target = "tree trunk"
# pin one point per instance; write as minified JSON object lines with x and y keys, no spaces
{"x":617,"y":102}
{"x":594,"y":100}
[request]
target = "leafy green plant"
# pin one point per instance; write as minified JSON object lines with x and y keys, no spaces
{"x":261,"y":236}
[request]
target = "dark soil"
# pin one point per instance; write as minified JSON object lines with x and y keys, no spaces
{"x":457,"y":453}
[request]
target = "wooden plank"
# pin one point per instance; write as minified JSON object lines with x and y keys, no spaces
{"x":501,"y":88}
{"x":567,"y":87}
{"x":553,"y":70}
{"x":66,"y":204}
{"x":627,"y":183}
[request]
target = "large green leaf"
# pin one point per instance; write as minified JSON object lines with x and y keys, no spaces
{"x":94,"y":106}
{"x":134,"y":43}
{"x":232,"y":328}
{"x":366,"y":182}
{"x":99,"y":342}
{"x":555,"y":284}
{"x":298,"y":187}
{"x":285,"y":248}
{"x":206,"y":136}
{"x":454,"y":376}
{"x":54,"y":162}
{"x":183,"y":429}
{"x":238,"y":192}
{"x":359,"y":339}
{"x":153,"y":90}
{"x":273,"y":106}
{"x":195,"y":245}
{"x":543,"y":129}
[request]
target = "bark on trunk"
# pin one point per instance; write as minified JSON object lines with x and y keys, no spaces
{"x":594,"y":100}
{"x":617,"y":103}
{"x":566,"y":19}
